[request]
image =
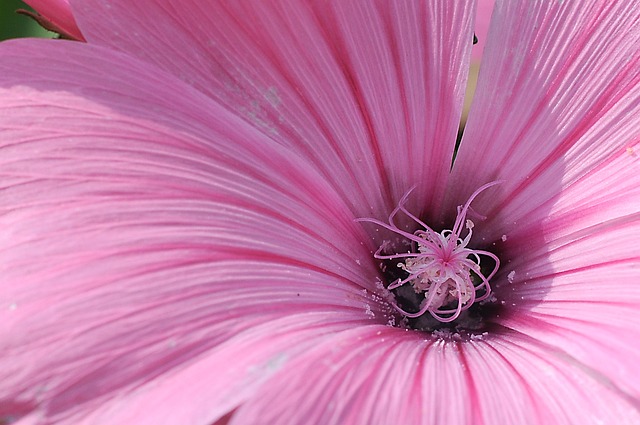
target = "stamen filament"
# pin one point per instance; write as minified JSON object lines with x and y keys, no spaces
{"x":442,"y":268}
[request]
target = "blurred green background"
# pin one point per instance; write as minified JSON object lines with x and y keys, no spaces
{"x":13,"y":25}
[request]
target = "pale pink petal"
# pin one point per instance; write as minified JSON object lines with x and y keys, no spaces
{"x":381,"y":375}
{"x":209,"y":386}
{"x":570,"y":259}
{"x":481,"y":29}
{"x":517,"y":380}
{"x":369,"y":375}
{"x":362,"y":89}
{"x":558,"y":95}
{"x":580,"y":294}
{"x":58,"y":12}
{"x":572,"y":280}
{"x":132,"y":244}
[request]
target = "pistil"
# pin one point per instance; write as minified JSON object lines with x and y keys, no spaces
{"x":441,"y":267}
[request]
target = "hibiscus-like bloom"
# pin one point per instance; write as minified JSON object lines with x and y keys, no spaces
{"x":246,"y":211}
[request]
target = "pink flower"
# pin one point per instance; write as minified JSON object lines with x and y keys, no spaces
{"x":187,"y":202}
{"x":56,"y":15}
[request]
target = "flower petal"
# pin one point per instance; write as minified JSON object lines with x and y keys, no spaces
{"x":519,"y":380}
{"x":573,"y":277}
{"x":483,"y":17}
{"x":369,"y":375}
{"x":208,"y":386}
{"x":362,"y":89}
{"x":380,"y":375}
{"x":582,"y":297}
{"x":557,"y":95}
{"x":140,"y":220}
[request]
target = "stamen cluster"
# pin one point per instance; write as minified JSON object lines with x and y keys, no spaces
{"x":441,"y":266}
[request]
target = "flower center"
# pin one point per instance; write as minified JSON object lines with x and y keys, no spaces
{"x":445,"y":275}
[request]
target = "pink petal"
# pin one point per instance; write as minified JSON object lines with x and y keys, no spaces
{"x":204,"y":389}
{"x":556,"y":120}
{"x":582,"y":298}
{"x":58,"y":12}
{"x":557,"y":96}
{"x":132,"y":241}
{"x":381,"y":375}
{"x":361,"y":89}
{"x":517,"y":380}
{"x":481,"y":29}
{"x":369,"y":375}
{"x":575,"y":275}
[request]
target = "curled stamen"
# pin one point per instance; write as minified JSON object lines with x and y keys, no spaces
{"x":442,"y":267}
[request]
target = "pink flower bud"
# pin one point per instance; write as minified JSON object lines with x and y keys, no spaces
{"x":56,"y":15}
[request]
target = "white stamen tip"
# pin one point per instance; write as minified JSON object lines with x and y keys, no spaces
{"x":442,"y":268}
